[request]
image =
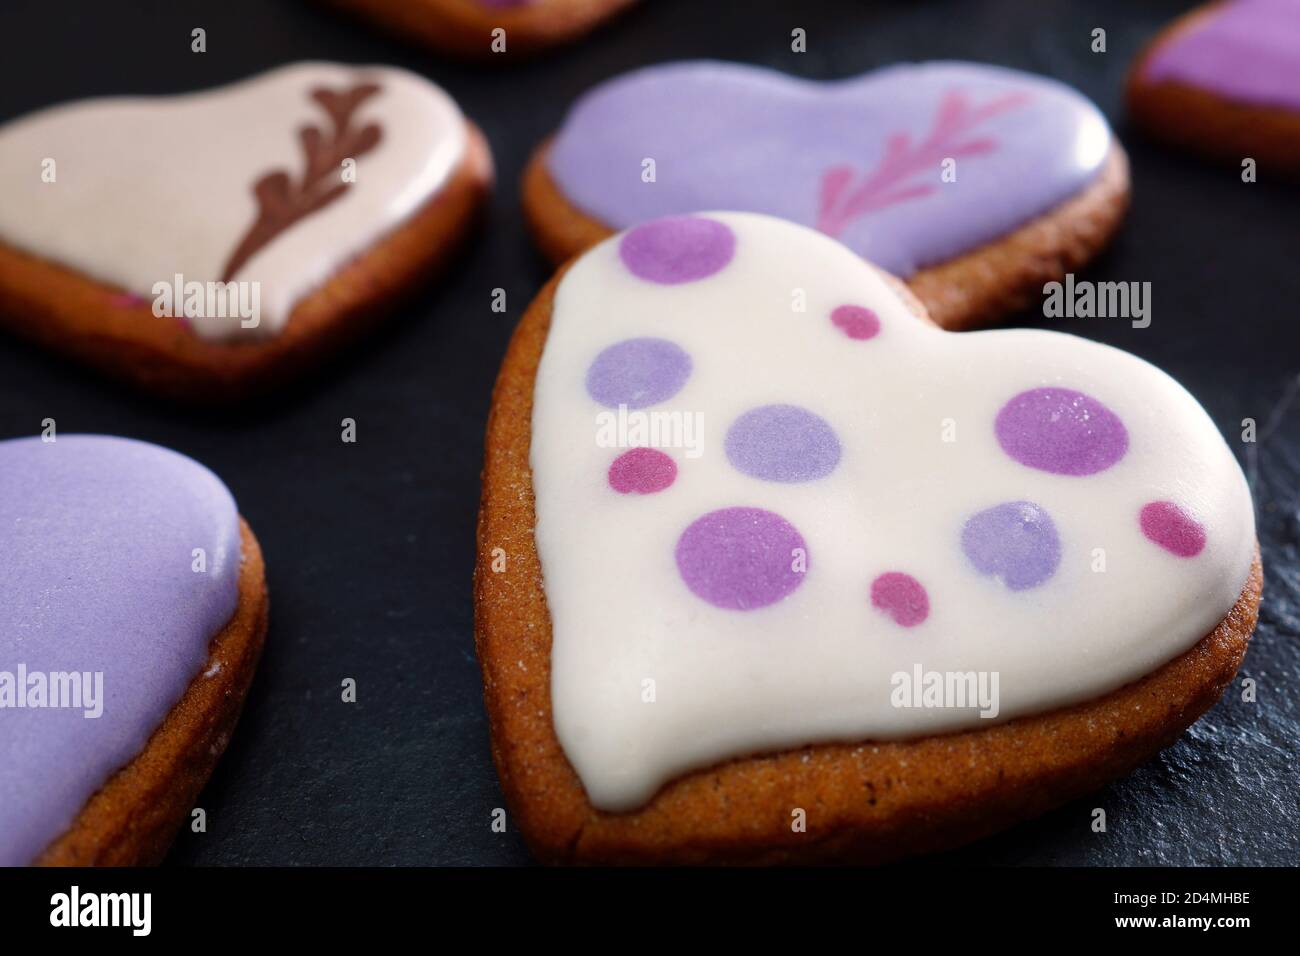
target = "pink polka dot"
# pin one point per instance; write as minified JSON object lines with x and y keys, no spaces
{"x":855,"y":321}
{"x":642,"y":471}
{"x":902,"y":597}
{"x":1172,"y":528}
{"x":128,"y":300}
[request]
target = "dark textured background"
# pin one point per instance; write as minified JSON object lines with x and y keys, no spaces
{"x":370,"y":546}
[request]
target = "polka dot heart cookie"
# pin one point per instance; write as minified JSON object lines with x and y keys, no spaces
{"x":694,"y":639}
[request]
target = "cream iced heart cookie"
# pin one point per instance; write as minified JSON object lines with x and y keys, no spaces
{"x":212,"y":244}
{"x":487,"y":28}
{"x":1224,"y":80}
{"x":759,"y":544}
{"x":132,"y":616}
{"x":976,"y":184}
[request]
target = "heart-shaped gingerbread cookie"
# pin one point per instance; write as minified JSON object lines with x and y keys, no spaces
{"x":132,"y":613}
{"x":487,"y":29}
{"x":214,"y":243}
{"x":975,"y":183}
{"x":935,"y":582}
{"x":1224,"y":80}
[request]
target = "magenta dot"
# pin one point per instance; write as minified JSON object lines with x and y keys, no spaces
{"x":1172,"y":528}
{"x":902,"y":597}
{"x":857,"y":322}
{"x":1061,"y":431}
{"x":677,"y":249}
{"x":741,"y":558}
{"x":642,"y":471}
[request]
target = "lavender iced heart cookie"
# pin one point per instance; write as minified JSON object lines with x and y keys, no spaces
{"x":778,"y":550}
{"x":214,"y":244}
{"x":975,"y":183}
{"x":132,"y":613}
{"x":1224,"y":81}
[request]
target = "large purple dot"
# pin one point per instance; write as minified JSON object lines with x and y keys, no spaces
{"x":741,"y":558}
{"x":1015,"y":541}
{"x":782,"y":443}
{"x":677,"y":249}
{"x":1061,"y":431}
{"x":638,"y":372}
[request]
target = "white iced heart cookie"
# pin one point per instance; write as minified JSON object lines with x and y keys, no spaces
{"x":221,"y":213}
{"x":850,"y":500}
{"x":244,"y":183}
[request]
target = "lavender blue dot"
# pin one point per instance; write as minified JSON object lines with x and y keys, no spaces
{"x":638,"y":372}
{"x":782,"y":443}
{"x":1015,"y":541}
{"x":677,"y":249}
{"x":1061,"y":431}
{"x":740,"y":559}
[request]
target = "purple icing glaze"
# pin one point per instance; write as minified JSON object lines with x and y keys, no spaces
{"x":1247,"y":51}
{"x":677,"y":249}
{"x":96,"y":536}
{"x":740,"y":559}
{"x":638,"y":372}
{"x":1015,"y":541}
{"x":858,"y":158}
{"x":1061,"y":431}
{"x":782,"y":443}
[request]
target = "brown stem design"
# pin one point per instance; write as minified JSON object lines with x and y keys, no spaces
{"x":280,"y":201}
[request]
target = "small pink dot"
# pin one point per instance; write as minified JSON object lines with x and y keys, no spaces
{"x":856,"y":321}
{"x":902,"y":597}
{"x":1172,"y":528}
{"x":642,"y":471}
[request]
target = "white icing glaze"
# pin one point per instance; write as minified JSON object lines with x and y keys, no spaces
{"x":150,"y":187}
{"x":816,"y":666}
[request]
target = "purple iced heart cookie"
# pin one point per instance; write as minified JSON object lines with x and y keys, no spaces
{"x":1225,"y":80}
{"x":120,"y":562}
{"x":914,"y":167}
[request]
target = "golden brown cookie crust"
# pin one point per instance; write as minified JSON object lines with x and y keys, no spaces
{"x":867,"y":802}
{"x":133,"y":818}
{"x":974,"y":290}
{"x":1203,"y":122}
{"x":464,"y":27}
{"x":68,"y":312}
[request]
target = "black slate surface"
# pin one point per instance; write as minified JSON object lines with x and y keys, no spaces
{"x":370,"y":546}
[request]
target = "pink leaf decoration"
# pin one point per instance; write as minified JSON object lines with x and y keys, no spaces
{"x":974,"y":147}
{"x":903,"y":195}
{"x":834,"y":182}
{"x":893,"y":179}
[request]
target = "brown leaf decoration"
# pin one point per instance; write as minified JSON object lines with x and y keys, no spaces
{"x":280,"y":201}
